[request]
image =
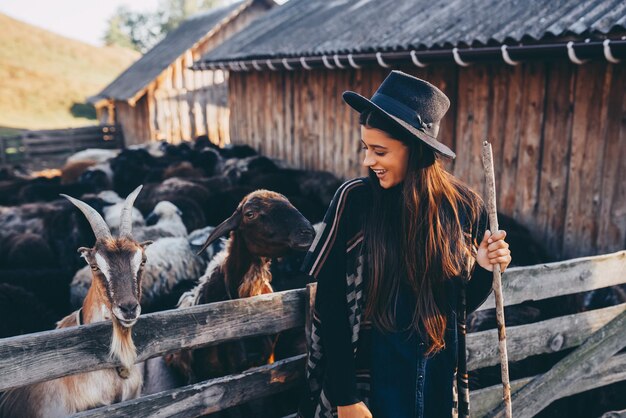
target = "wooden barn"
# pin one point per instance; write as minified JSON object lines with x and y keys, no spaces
{"x":159,"y":97}
{"x":544,"y":81}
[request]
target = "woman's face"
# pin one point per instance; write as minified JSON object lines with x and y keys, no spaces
{"x":387,"y":157}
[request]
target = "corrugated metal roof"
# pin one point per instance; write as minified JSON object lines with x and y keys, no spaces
{"x":149,"y":66}
{"x":317,"y":27}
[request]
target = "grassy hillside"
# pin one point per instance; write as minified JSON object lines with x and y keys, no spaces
{"x":45,"y":78}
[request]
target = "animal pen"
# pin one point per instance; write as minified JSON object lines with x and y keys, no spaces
{"x":596,"y":336}
{"x":50,"y":148}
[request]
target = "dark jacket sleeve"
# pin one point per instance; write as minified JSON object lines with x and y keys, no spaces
{"x":480,"y":283}
{"x":326,"y":263}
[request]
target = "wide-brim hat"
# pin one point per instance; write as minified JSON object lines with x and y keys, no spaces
{"x":415,"y":105}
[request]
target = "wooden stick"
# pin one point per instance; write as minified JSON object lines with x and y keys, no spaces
{"x":497,"y":278}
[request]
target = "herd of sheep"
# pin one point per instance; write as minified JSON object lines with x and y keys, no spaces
{"x":188,"y":189}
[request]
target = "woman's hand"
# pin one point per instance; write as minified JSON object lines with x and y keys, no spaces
{"x":357,"y":410}
{"x":494,"y":250}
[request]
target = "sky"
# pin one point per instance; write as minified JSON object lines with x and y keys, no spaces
{"x":84,"y":20}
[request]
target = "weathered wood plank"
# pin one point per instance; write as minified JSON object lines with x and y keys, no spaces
{"x":555,"y":160}
{"x":547,"y":336}
{"x":612,"y":371}
{"x":210,"y":396}
{"x":349,"y":128}
{"x":279,"y":113}
{"x":529,"y":157}
{"x":61,"y":132}
{"x":46,"y":355}
{"x":612,"y":218}
{"x":586,"y":160}
{"x":561,"y":278}
{"x":507,"y":184}
{"x":543,"y":390}
{"x":289,"y":124}
{"x":311,"y":291}
{"x":95,"y":135}
{"x":498,"y":87}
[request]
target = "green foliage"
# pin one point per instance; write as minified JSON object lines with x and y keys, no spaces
{"x":141,"y":31}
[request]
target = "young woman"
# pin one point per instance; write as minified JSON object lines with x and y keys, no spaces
{"x":403,"y":256}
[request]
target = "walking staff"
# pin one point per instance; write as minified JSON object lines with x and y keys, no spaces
{"x":497,"y":278}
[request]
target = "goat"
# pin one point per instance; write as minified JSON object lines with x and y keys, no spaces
{"x":171,"y":269}
{"x":117,"y":268}
{"x":263,"y":226}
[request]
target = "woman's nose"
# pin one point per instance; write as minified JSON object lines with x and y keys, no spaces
{"x":368,"y":161}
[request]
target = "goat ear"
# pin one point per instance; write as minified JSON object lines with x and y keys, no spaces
{"x":84,"y":252}
{"x":222,"y":229}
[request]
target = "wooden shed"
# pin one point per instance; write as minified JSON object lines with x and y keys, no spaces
{"x":544,"y":81}
{"x":160,"y":97}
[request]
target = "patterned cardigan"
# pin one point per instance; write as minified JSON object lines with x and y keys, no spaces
{"x":338,"y":248}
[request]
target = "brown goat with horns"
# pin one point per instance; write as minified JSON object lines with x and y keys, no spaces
{"x":265,"y":225}
{"x":117,"y":267}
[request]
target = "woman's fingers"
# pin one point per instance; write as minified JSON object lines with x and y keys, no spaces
{"x":497,"y":245}
{"x":499,"y":235}
{"x":504,"y":262}
{"x":499,"y":253}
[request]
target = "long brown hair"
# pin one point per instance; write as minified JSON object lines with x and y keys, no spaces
{"x":417,"y":236}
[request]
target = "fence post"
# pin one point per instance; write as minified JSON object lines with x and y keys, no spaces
{"x":3,"y":151}
{"x":72,"y":134}
{"x":311,"y":290}
{"x":119,"y":136}
{"x":26,"y":147}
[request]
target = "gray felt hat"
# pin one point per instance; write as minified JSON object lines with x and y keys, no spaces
{"x":413,"y":104}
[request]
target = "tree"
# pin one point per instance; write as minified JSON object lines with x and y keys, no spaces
{"x":141,"y":31}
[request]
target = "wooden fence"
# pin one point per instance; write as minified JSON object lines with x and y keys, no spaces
{"x":599,"y":334}
{"x":50,"y":148}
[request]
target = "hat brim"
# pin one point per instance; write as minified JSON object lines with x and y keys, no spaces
{"x":360,"y":104}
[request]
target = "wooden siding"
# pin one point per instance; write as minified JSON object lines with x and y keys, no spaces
{"x":558,"y":132}
{"x":182,"y":104}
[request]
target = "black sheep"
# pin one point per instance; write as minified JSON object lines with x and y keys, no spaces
{"x":22,"y":312}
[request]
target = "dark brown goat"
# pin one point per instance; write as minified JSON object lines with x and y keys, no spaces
{"x":264,"y":225}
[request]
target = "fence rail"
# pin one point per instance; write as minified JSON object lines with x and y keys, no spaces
{"x":50,"y":148}
{"x":45,"y":355}
{"x":33,"y":358}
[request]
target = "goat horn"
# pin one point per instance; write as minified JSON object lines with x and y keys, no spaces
{"x":222,"y":229}
{"x":126,"y":223}
{"x":98,"y":225}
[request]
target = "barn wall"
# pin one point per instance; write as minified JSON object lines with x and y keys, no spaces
{"x":558,"y":132}
{"x":134,"y":120}
{"x":182,"y":104}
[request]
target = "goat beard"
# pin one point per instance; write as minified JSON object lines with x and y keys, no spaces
{"x":122,"y":345}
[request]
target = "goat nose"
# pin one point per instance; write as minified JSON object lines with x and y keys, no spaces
{"x":129,"y":308}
